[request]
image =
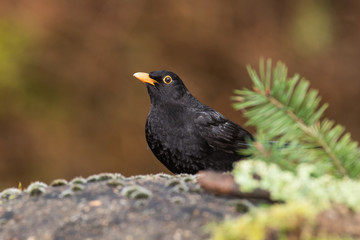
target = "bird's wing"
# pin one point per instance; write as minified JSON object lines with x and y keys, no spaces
{"x":221,"y":133}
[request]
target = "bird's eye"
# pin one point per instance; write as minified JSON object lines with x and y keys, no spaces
{"x":167,"y":79}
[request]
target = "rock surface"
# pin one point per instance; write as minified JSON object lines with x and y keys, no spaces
{"x":110,"y":206}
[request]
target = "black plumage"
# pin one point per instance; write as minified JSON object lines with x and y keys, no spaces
{"x":184,"y":134}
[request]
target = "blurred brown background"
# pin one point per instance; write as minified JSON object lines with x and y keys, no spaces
{"x":69,"y":105}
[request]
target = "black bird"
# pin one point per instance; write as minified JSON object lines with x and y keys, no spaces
{"x":184,"y":134}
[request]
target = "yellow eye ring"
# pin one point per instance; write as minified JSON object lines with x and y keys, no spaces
{"x":167,"y":79}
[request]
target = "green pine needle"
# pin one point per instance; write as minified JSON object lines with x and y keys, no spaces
{"x":286,"y":110}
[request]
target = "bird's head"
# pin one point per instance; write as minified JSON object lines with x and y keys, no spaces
{"x":163,"y":85}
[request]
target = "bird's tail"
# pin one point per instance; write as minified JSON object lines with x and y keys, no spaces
{"x":247,"y":145}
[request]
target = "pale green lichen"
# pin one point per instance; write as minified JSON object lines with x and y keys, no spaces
{"x":305,"y":196}
{"x":299,"y":186}
{"x":294,"y":220}
{"x":294,"y":217}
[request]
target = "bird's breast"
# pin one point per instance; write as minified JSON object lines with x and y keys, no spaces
{"x":171,"y":130}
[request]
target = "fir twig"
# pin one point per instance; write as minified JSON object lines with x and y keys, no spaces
{"x":286,"y":110}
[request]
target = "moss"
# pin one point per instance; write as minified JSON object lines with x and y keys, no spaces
{"x":10,"y":193}
{"x":36,"y":189}
{"x":185,"y":175}
{"x":280,"y":220}
{"x":115,"y":182}
{"x":78,"y":180}
{"x":137,"y":177}
{"x":172,"y":183}
{"x":190,"y":178}
{"x":92,"y":178}
{"x":141,"y":195}
{"x":177,"y":185}
{"x":163,"y":175}
{"x":77,"y":187}
{"x":101,"y":177}
{"x":106,"y":176}
{"x":66,"y":193}
{"x":136,"y":192}
{"x":58,"y":183}
{"x":119,"y":176}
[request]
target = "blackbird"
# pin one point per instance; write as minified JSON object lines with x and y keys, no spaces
{"x":184,"y":134}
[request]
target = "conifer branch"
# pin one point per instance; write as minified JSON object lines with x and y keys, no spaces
{"x":311,"y":132}
{"x":285,"y":110}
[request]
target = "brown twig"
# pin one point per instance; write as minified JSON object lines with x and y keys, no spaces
{"x":224,"y":184}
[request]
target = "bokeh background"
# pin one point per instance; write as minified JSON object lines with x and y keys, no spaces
{"x":69,"y":105}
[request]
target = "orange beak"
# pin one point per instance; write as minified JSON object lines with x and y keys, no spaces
{"x":144,"y":77}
